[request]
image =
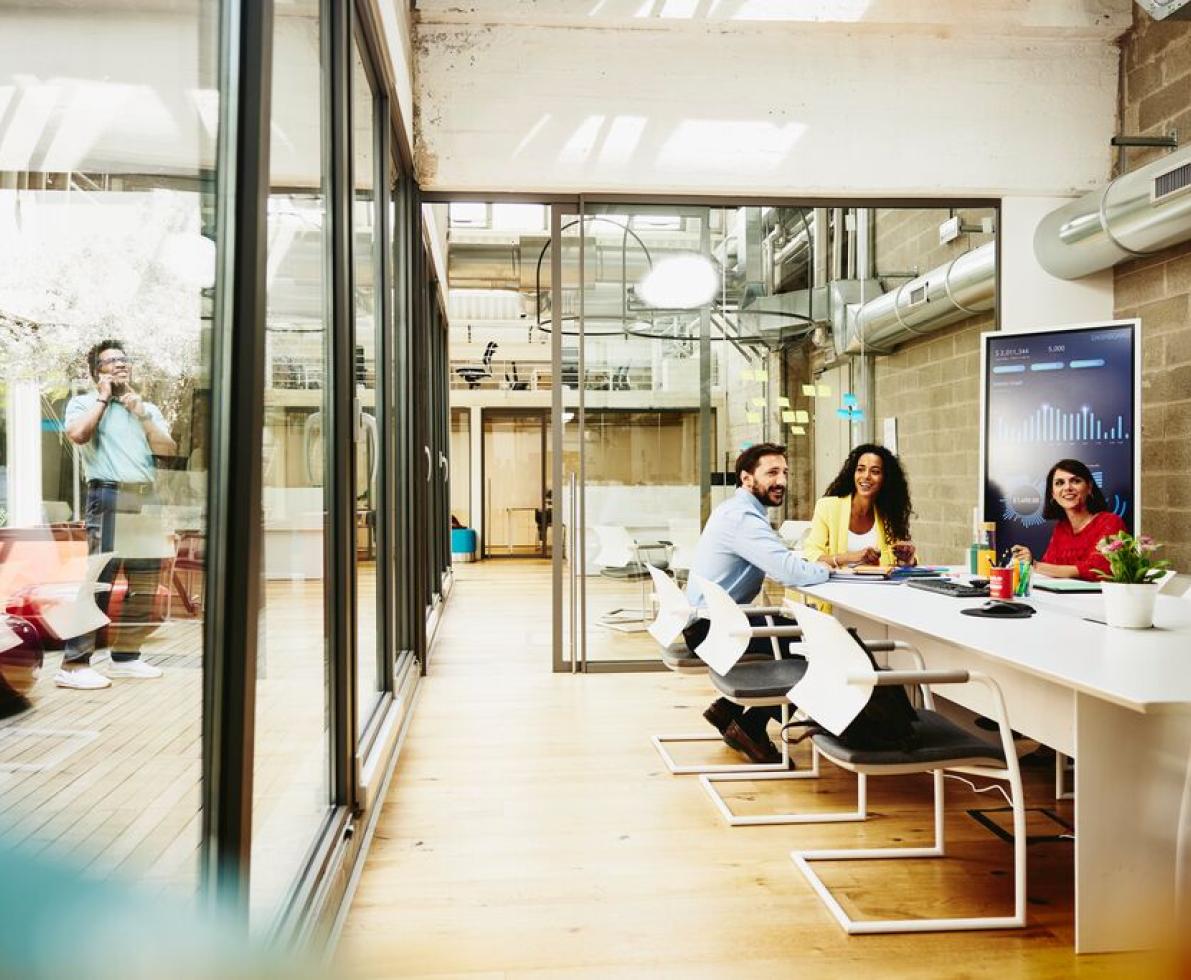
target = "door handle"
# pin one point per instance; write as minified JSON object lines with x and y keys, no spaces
{"x":429,"y":465}
{"x":445,"y":465}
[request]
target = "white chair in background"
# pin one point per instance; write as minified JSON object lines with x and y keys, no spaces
{"x":684,"y":539}
{"x":839,"y":682}
{"x":793,"y":533}
{"x":68,"y":609}
{"x":618,"y":556}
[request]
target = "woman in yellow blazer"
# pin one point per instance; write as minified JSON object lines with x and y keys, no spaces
{"x":864,"y":517}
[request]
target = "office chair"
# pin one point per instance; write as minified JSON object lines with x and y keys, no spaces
{"x":473,"y":374}
{"x":838,"y":683}
{"x":512,"y":381}
{"x":619,"y":557}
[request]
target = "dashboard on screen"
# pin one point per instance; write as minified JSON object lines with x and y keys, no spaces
{"x":1069,"y":393}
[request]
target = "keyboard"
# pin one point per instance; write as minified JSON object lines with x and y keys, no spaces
{"x":949,"y":586}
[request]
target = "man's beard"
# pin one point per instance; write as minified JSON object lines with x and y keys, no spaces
{"x":766,"y":499}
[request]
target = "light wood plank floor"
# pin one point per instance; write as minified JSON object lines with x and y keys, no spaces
{"x":531,"y":830}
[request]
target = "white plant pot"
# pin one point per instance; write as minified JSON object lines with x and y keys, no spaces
{"x":1129,"y":606}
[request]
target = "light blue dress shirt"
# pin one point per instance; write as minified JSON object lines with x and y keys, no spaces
{"x":738,"y":548}
{"x":119,"y":450}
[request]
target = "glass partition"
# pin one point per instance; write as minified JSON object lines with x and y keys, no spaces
{"x":107,"y":269}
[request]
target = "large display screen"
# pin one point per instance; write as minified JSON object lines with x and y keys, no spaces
{"x":1058,"y":394}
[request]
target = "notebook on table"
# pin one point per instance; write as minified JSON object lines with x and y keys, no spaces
{"x":1064,"y":585}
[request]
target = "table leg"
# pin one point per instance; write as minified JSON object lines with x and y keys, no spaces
{"x":1129,"y":775}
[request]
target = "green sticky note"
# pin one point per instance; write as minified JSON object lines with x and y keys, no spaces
{"x":797,"y":430}
{"x":809,"y":390}
{"x":788,"y":417}
{"x":802,"y":417}
{"x":784,"y":402}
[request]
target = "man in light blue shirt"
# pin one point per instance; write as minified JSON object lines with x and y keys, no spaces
{"x":117,"y":433}
{"x":737,"y":550}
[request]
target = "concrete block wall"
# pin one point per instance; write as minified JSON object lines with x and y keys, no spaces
{"x":1155,"y":98}
{"x":931,"y":386}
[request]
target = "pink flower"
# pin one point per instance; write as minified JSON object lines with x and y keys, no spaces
{"x":1113,"y":545}
{"x":1146,"y":544}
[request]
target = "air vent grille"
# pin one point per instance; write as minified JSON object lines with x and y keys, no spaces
{"x":1172,"y":182}
{"x":918,"y":294}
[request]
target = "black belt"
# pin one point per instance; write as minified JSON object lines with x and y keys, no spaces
{"x":138,"y":488}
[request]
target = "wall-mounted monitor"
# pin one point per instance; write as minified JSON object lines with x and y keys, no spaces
{"x":1070,"y":392}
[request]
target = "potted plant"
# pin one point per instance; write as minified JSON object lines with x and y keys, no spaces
{"x":1130,"y":584}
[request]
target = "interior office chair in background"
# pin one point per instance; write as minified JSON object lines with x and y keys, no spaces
{"x":512,"y":381}
{"x":619,"y":557}
{"x":838,"y":683}
{"x":473,"y":374}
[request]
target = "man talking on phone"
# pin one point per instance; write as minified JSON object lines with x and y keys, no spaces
{"x":118,"y":434}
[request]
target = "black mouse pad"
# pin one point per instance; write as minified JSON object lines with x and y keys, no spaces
{"x":1021,"y":612}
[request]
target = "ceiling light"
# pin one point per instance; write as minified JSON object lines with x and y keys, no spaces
{"x":679,"y":282}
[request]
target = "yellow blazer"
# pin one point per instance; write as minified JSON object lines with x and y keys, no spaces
{"x":829,"y":530}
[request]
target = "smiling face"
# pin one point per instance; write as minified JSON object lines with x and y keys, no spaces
{"x":768,"y":481}
{"x":114,"y":363}
{"x":1070,"y":491}
{"x":869,"y":476}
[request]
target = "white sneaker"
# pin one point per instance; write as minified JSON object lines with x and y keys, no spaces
{"x":84,"y":679}
{"x":133,"y":668}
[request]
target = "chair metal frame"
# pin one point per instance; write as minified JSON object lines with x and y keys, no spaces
{"x":852,"y":675}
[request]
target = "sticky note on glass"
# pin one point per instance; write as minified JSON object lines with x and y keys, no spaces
{"x":784,"y":402}
{"x":761,"y":375}
{"x":824,"y":391}
{"x":788,"y":417}
{"x":808,"y":390}
{"x":850,"y":400}
{"x":759,"y":402}
{"x":753,"y":416}
{"x":802,"y":417}
{"x":797,"y":430}
{"x":746,"y":374}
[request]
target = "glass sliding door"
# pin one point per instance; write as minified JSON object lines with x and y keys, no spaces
{"x":515,"y":494}
{"x":638,"y":327}
{"x":366,"y":324}
{"x":291,"y":785}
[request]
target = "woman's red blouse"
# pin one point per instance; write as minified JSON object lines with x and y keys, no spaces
{"x":1068,"y":548}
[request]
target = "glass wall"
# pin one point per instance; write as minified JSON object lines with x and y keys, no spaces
{"x":292,"y":787}
{"x":107,"y":269}
{"x":460,"y":457}
{"x":365,"y":255}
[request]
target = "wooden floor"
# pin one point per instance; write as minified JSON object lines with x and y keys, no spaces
{"x":531,"y":831}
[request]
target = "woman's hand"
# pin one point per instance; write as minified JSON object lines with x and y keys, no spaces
{"x":1019,"y":552}
{"x":862,"y":556}
{"x":904,"y":552}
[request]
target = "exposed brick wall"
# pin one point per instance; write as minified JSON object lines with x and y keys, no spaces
{"x":1155,"y":98}
{"x":931,"y":386}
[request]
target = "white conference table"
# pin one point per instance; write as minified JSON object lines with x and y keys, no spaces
{"x":1117,"y":701}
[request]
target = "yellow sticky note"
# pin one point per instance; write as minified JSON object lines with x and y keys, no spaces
{"x":824,"y":391}
{"x":797,"y":430}
{"x":753,"y":416}
{"x":784,"y":402}
{"x":746,"y":374}
{"x":809,"y":390}
{"x":759,"y":402}
{"x":802,"y":417}
{"x":788,"y":417}
{"x":761,"y":375}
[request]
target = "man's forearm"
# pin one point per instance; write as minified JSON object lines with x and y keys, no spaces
{"x":82,"y":429}
{"x":160,"y":442}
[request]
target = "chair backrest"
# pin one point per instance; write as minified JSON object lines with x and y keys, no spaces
{"x":674,"y":612}
{"x":489,"y":352}
{"x":617,"y":547}
{"x":730,"y":630}
{"x":794,"y":532}
{"x":78,"y":614}
{"x":839,"y":678}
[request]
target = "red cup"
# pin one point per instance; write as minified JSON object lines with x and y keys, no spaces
{"x":1000,"y":583}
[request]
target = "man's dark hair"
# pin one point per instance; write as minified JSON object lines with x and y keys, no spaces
{"x":747,"y":461}
{"x":1096,"y":502}
{"x":97,"y":349}
{"x":893,"y":499}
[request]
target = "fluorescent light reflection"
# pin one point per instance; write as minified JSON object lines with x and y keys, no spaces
{"x":679,"y":282}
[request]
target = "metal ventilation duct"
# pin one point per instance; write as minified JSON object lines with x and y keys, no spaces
{"x":955,"y":290}
{"x":1137,"y":214}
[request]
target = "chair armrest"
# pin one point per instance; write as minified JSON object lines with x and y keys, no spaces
{"x":763,"y":610}
{"x":905,"y":678}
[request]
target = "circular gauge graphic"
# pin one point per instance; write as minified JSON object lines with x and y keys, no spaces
{"x":1023,"y":503}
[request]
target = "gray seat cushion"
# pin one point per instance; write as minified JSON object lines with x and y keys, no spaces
{"x":762,"y":679}
{"x":939,"y":740}
{"x":677,"y":656}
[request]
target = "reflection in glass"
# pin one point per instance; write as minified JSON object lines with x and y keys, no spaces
{"x":461,"y":466}
{"x":367,"y":323}
{"x":291,"y":785}
{"x":107,"y":250}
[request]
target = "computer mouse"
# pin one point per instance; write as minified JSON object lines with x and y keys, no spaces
{"x":979,"y":583}
{"x":997,"y":607}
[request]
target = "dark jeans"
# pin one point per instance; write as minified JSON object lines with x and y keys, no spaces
{"x":105,"y":505}
{"x":752,"y":720}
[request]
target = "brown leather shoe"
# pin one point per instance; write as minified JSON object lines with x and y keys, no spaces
{"x":720,"y":715}
{"x":755,"y":749}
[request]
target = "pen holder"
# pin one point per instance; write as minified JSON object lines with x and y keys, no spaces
{"x":1000,"y":583}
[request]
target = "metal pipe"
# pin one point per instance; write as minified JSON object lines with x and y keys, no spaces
{"x":819,"y":247}
{"x":957,"y":289}
{"x":851,"y":242}
{"x":837,"y":243}
{"x":1136,"y":214}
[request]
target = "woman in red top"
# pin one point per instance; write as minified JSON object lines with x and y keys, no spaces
{"x":1083,"y":520}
